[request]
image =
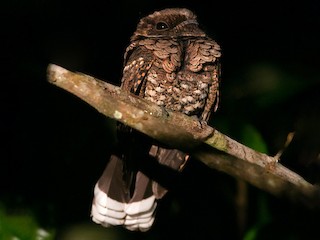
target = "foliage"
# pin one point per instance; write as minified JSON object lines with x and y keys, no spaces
{"x":21,"y":226}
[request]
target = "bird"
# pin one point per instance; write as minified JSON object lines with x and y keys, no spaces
{"x":173,"y":63}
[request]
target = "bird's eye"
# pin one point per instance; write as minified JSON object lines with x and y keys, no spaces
{"x":161,"y":26}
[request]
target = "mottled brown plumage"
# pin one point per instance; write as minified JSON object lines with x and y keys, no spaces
{"x":170,"y":61}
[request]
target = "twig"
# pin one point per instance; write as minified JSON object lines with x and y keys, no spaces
{"x":286,"y":144}
{"x":208,"y":145}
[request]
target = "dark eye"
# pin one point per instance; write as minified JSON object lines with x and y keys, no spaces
{"x":161,"y":26}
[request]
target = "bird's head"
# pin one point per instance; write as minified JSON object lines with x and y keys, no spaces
{"x":169,"y":23}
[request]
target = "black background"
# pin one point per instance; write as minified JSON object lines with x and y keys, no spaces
{"x":54,"y":146}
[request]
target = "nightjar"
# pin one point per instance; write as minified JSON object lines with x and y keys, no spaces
{"x":171,"y":62}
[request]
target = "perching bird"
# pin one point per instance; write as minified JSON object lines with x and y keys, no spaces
{"x":171,"y":62}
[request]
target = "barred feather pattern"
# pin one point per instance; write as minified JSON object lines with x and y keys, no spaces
{"x":173,"y":63}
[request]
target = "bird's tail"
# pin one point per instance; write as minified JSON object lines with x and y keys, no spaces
{"x":113,"y":203}
{"x":133,"y":204}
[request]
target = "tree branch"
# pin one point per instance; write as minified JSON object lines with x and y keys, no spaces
{"x":208,"y":145}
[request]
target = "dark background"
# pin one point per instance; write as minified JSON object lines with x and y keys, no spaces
{"x":54,"y":146}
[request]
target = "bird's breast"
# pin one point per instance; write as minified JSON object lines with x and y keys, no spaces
{"x":182,"y":91}
{"x":181,"y":74}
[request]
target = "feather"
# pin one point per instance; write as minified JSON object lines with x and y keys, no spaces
{"x":175,"y":66}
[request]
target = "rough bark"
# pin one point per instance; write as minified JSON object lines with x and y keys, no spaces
{"x":206,"y":144}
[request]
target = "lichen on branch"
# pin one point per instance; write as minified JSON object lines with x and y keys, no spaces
{"x":208,"y":145}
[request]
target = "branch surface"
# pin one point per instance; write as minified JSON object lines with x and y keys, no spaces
{"x":208,"y":145}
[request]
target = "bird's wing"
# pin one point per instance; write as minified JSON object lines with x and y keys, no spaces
{"x":138,"y":61}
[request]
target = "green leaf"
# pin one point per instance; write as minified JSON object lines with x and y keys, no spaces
{"x":252,"y":138}
{"x":21,"y":226}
